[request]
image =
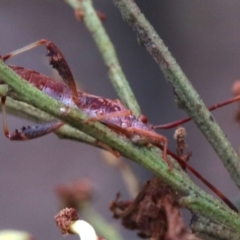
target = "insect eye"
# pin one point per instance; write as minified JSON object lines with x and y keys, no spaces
{"x":143,"y":118}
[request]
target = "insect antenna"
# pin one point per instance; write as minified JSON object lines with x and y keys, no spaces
{"x":182,"y":121}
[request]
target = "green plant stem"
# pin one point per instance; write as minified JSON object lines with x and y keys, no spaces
{"x":105,"y":46}
{"x":204,"y":227}
{"x":198,"y":201}
{"x":187,"y":97}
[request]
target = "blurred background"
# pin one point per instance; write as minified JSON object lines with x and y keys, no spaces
{"x":204,"y":37}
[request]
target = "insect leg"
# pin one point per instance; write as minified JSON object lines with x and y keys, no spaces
{"x":107,"y":116}
{"x":56,"y":59}
{"x":27,"y":133}
{"x":153,"y":138}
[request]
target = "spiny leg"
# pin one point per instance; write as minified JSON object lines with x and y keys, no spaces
{"x":149,"y":136}
{"x":153,"y":138}
{"x":27,"y":133}
{"x":107,"y":116}
{"x":56,"y":60}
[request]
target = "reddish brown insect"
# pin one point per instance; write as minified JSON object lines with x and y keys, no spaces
{"x":109,"y":112}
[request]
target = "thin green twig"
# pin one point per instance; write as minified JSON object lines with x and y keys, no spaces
{"x":105,"y":46}
{"x":203,"y":227}
{"x":198,"y":201}
{"x":186,"y":95}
